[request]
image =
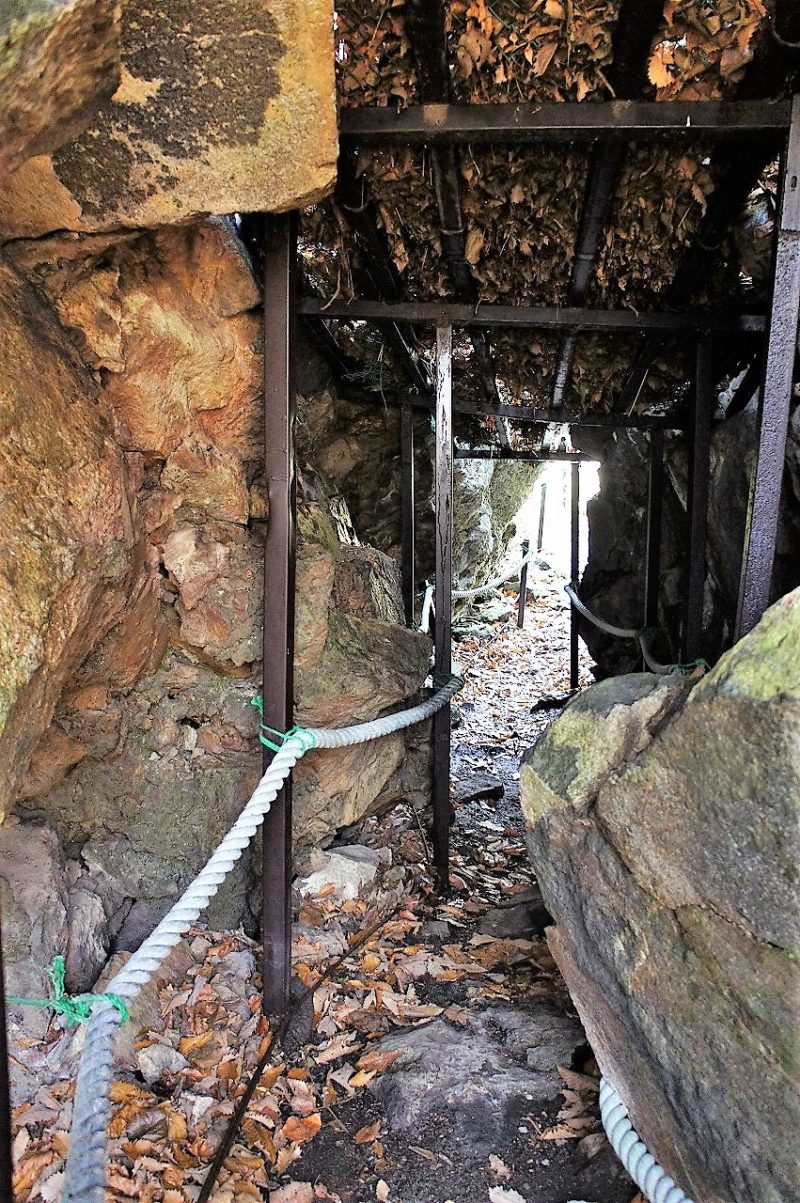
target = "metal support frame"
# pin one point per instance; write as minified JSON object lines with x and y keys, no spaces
{"x":407,"y":514}
{"x":568,"y":121}
{"x":575,"y":568}
{"x":530,"y":317}
{"x":655,"y":494}
{"x":280,"y":241}
{"x":761,"y":528}
{"x":443,"y":597}
{"x":528,"y":415}
{"x":542,"y":505}
{"x":528,"y":457}
{"x":697,"y":500}
{"x":6,"y":1165}
{"x":523,"y":583}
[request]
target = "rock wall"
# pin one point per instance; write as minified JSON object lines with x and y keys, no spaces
{"x":663,"y":824}
{"x":613,"y":582}
{"x":347,"y":441}
{"x":131,"y":592}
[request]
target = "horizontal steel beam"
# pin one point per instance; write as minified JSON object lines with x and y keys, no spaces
{"x":527,"y":415}
{"x":528,"y":317}
{"x":533,"y":457}
{"x":569,"y":121}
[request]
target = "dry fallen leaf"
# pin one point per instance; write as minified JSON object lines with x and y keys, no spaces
{"x":368,"y":1133}
{"x":500,"y":1194}
{"x":382,"y":1191}
{"x":498,"y":1167}
{"x":300,"y":1130}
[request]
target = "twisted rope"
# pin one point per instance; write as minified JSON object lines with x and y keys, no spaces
{"x":654,"y":1182}
{"x":463,"y":594}
{"x":642,"y":636}
{"x":85,"y":1176}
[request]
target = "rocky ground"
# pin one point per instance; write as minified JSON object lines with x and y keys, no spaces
{"x":441,"y":1059}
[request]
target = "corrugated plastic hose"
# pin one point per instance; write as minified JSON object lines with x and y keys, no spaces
{"x":85,"y":1176}
{"x":654,"y":1182}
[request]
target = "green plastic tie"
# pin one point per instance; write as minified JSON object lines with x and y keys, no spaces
{"x":76,"y":1008}
{"x":307,"y":739}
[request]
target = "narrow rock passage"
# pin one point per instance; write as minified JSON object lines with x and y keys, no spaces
{"x":443,"y":1059}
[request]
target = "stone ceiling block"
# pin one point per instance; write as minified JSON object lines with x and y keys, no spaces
{"x":223,"y":106}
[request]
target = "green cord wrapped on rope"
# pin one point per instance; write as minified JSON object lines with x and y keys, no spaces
{"x":306,"y":737}
{"x":76,"y":1008}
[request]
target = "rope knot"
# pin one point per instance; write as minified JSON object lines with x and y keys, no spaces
{"x":76,"y":1008}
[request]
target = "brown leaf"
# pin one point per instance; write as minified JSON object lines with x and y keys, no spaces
{"x":544,"y":58}
{"x":382,"y":1191}
{"x":300,"y":1130}
{"x":376,"y":1061}
{"x":368,"y":1133}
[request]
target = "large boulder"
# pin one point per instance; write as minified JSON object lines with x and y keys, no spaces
{"x":221,"y":108}
{"x":59,"y":62}
{"x":664,"y":831}
{"x":67,"y":531}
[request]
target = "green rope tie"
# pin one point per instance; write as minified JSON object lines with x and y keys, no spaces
{"x":76,"y":1008}
{"x":306,"y":738}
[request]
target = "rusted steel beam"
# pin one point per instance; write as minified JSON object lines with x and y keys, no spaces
{"x":529,"y":415}
{"x":761,"y":528}
{"x":407,"y":514}
{"x":697,"y":500}
{"x":655,"y":493}
{"x":377,"y":276}
{"x":563,"y":122}
{"x":523,"y":583}
{"x":636,"y":26}
{"x":443,"y":598}
{"x":280,"y":240}
{"x":575,"y":568}
{"x":530,"y":316}
{"x":429,"y":42}
{"x":542,"y":508}
{"x":6,"y":1166}
{"x":533,"y":457}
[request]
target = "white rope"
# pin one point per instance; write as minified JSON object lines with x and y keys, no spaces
{"x":427,"y":610}
{"x":654,"y":1182}
{"x":462,"y":594}
{"x":619,"y":632}
{"x":85,"y":1176}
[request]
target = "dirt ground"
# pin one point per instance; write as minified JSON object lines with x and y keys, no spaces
{"x":440,"y":1061}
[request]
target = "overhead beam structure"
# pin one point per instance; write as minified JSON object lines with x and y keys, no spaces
{"x":280,"y":241}
{"x":443,"y":597}
{"x":637,"y":24}
{"x":532,"y":457}
{"x":429,"y":42}
{"x":531,"y":317}
{"x":761,"y":529}
{"x":563,"y":121}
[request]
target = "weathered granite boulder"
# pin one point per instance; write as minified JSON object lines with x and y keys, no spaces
{"x":220,"y":108}
{"x":59,"y":62}
{"x":664,"y":831}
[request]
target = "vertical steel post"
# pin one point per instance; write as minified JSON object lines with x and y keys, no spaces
{"x":575,"y":568}
{"x":523,"y":583}
{"x":443,"y":500}
{"x":655,"y":491}
{"x":697,"y":500}
{"x":280,"y":239}
{"x":761,"y":529}
{"x":6,"y":1168}
{"x":542,"y":502}
{"x":407,"y":519}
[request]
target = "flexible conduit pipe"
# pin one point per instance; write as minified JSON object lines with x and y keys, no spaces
{"x":654,"y":1182}
{"x":85,"y":1175}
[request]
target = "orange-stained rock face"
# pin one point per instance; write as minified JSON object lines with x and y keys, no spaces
{"x":67,"y":531}
{"x":220,"y":108}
